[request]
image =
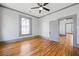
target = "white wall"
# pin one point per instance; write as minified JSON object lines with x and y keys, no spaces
{"x":62,"y":27}
{"x":68,"y":28}
{"x":44,"y":22}
{"x":10,"y":24}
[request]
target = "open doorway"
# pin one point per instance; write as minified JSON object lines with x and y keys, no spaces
{"x":69,"y":33}
{"x":66,"y":30}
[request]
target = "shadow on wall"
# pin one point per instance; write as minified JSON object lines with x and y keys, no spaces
{"x":1,"y":24}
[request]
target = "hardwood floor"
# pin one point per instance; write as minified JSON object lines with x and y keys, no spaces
{"x":37,"y":47}
{"x":67,"y":39}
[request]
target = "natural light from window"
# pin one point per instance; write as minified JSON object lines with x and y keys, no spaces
{"x":25,"y":26}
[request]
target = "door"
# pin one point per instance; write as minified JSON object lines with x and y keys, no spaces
{"x":54,"y":30}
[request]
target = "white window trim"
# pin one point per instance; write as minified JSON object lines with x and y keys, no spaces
{"x":20,"y":34}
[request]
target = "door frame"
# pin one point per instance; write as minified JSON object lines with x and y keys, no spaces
{"x":74,"y":17}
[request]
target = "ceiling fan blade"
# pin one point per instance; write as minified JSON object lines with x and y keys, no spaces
{"x":46,"y":9}
{"x":34,"y":7}
{"x":39,"y":4}
{"x":39,"y":11}
{"x":45,"y":4}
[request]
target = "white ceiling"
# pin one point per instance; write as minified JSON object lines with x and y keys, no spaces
{"x":26,"y":8}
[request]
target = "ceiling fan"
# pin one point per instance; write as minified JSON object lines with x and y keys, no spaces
{"x":41,"y":7}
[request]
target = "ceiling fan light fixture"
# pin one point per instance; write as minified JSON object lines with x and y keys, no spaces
{"x":40,"y":8}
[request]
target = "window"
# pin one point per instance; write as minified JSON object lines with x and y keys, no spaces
{"x":25,"y":26}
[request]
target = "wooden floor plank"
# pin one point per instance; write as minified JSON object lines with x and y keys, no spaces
{"x":37,"y":47}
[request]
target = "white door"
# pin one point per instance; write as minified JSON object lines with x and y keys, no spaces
{"x":54,"y":30}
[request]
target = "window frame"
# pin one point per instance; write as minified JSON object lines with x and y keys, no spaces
{"x":20,"y":26}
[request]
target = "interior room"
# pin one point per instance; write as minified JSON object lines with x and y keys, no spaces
{"x":39,"y":29}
